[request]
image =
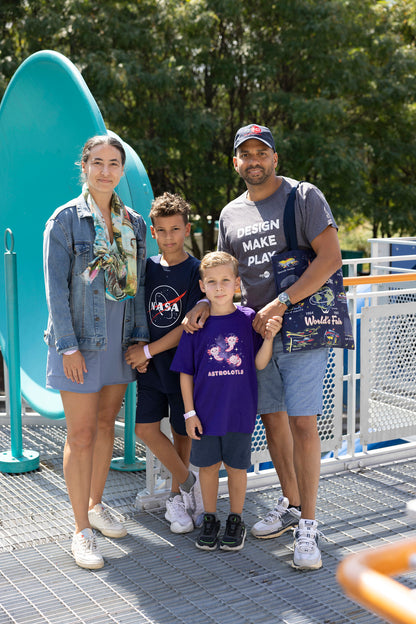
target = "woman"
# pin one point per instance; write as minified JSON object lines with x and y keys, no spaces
{"x":94,"y":263}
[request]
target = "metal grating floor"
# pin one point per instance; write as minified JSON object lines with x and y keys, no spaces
{"x":155,"y":577}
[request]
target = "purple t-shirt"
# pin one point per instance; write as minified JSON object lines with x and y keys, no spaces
{"x":220,"y":357}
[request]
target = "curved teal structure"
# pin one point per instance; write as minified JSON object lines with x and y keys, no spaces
{"x":46,"y":115}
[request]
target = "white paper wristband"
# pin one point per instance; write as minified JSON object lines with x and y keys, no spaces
{"x":147,"y":352}
{"x":189,"y":414}
{"x":71,"y":351}
{"x":205,"y":300}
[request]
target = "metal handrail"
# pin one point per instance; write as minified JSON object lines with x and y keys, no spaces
{"x":379,"y":279}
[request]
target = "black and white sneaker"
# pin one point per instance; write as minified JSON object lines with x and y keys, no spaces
{"x":278,"y":520}
{"x":208,"y":536}
{"x":307,"y":555}
{"x":234,"y":534}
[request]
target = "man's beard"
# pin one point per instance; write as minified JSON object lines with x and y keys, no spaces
{"x":257,"y":179}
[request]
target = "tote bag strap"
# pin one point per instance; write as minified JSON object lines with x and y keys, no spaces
{"x":289,"y":222}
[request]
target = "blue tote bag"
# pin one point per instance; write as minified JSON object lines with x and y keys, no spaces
{"x":320,"y":320}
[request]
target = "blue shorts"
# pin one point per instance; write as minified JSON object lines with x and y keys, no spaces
{"x":292,"y":382}
{"x":234,"y":449}
{"x":153,"y":405}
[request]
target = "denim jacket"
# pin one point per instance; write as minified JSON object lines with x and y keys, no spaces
{"x":77,"y":309}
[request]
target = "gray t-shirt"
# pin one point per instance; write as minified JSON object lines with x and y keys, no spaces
{"x":253,"y":231}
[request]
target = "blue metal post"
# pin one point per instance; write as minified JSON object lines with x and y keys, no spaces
{"x":129,"y":462}
{"x":15,"y":460}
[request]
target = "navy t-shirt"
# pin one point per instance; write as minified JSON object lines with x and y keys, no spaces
{"x":170,"y":292}
{"x":220,"y":357}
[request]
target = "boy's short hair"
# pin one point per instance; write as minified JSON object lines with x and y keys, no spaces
{"x":217,"y":258}
{"x":168,"y":205}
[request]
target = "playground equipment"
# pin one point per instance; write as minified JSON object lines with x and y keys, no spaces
{"x":46,"y":115}
{"x":365,"y":577}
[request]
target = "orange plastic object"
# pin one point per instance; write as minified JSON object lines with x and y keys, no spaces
{"x":365,"y":577}
{"x":379,"y":279}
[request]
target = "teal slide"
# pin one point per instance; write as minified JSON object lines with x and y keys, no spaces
{"x":46,"y":115}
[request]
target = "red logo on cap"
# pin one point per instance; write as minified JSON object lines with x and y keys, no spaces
{"x":255,"y":130}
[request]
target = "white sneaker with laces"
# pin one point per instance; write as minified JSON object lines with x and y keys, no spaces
{"x":278,"y":520}
{"x":307,"y":555}
{"x":176,"y":514}
{"x":101,"y":519}
{"x":85,"y":550}
{"x":193,"y":502}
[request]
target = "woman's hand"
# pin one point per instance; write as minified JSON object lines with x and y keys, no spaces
{"x":74,"y":367}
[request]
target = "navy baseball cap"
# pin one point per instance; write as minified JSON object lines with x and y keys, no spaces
{"x":253,"y":131}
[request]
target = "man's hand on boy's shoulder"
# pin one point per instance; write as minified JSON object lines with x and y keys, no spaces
{"x":196,"y":317}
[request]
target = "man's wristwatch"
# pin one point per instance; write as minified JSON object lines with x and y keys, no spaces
{"x":284,"y":298}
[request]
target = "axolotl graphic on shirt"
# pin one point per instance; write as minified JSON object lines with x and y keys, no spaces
{"x":226,"y":350}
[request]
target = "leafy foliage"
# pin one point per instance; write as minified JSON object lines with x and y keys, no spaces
{"x":175,"y":78}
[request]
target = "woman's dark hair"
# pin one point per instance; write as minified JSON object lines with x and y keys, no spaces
{"x":102,"y":139}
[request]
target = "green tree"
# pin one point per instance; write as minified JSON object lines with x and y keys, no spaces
{"x":385,"y":117}
{"x":175,"y":78}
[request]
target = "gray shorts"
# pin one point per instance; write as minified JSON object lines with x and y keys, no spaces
{"x":292,"y":382}
{"x":234,"y":449}
{"x":105,"y":368}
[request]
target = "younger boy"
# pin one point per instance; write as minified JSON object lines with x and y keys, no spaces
{"x":171,"y":289}
{"x":219,"y":388}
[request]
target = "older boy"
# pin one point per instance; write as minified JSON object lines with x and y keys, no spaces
{"x":172,"y":288}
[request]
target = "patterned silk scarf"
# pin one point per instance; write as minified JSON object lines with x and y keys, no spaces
{"x":117,"y":259}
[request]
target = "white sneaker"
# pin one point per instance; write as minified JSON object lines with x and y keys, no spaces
{"x":307,"y":555}
{"x":278,"y":520}
{"x":176,"y":514}
{"x":85,"y":550}
{"x":193,"y":502}
{"x":101,"y":519}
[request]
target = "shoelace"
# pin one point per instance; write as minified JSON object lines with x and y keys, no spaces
{"x":89,"y":544}
{"x":177,"y":502}
{"x":232,"y":526}
{"x":306,"y":541}
{"x":178,"y":505}
{"x":105,"y":515}
{"x":306,"y":544}
{"x":274,"y":514}
{"x":209,"y":526}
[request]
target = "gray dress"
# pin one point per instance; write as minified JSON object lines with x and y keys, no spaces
{"x":104,"y":368}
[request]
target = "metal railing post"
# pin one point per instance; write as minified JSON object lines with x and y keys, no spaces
{"x":16,"y":460}
{"x":129,"y":463}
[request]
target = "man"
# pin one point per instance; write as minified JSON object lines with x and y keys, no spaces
{"x":290,"y":387}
